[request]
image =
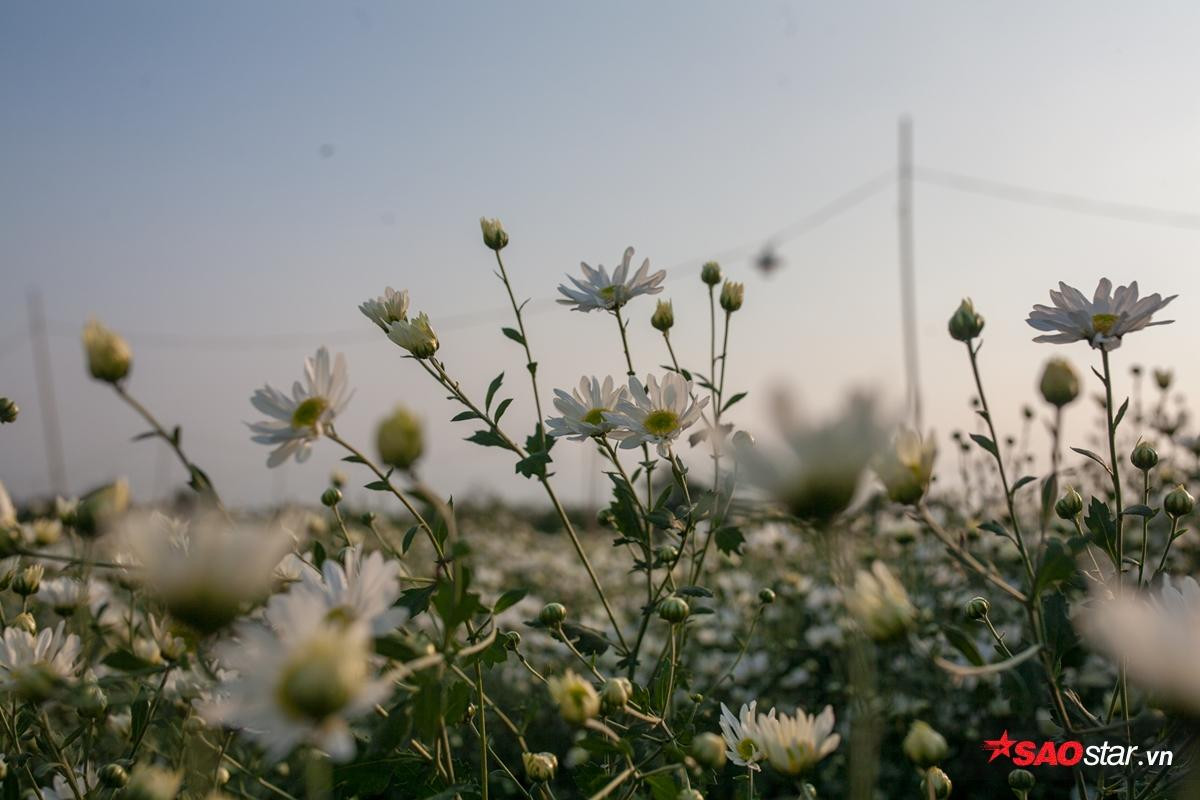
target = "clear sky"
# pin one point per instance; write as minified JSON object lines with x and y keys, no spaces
{"x":226,"y":181}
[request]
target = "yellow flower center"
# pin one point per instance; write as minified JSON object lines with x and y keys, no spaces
{"x":747,"y":749}
{"x":595,"y":416}
{"x":1103,"y":323}
{"x":662,"y":422}
{"x":308,"y":413}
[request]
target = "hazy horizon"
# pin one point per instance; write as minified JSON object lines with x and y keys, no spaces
{"x":225,"y":183}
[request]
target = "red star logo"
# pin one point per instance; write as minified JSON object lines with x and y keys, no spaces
{"x":999,"y":747}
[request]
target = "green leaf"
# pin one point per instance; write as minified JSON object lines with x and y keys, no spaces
{"x":463,"y":416}
{"x":417,"y":599}
{"x":729,"y":540}
{"x":694,"y":591}
{"x":354,"y":460}
{"x":963,"y":643}
{"x":985,"y":443}
{"x":125,"y":661}
{"x":662,"y":786}
{"x":318,"y":554}
{"x":378,"y":486}
{"x":1057,"y":565}
{"x":487,"y":438}
{"x":1049,"y":494}
{"x":408,"y":538}
{"x":513,"y":334}
{"x":1140,"y":511}
{"x":733,"y":400}
{"x":1092,"y":456}
{"x":1022,"y":481}
{"x":501,"y":408}
{"x":1121,"y":413}
{"x":493,"y":387}
{"x":509,"y":599}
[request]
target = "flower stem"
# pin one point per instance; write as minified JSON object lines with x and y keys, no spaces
{"x":530,"y":364}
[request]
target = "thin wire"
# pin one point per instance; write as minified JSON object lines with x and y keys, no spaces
{"x":365,"y":333}
{"x":1061,"y":201}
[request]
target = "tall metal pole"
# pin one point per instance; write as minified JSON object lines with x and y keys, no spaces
{"x":51,"y":433}
{"x":908,"y":291}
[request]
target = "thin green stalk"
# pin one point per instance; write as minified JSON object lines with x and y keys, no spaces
{"x":530,"y":364}
{"x":483,"y":739}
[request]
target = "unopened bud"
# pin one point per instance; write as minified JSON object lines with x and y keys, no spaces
{"x":8,"y":410}
{"x":93,"y":702}
{"x":1163,"y":378}
{"x":1060,"y":382}
{"x":663,"y":318}
{"x":731,"y":296}
{"x":938,"y":781}
{"x":1069,"y":505}
{"x":552,"y":614}
{"x":923,"y":745}
{"x":114,"y":776}
{"x":615,"y":694}
{"x":494,"y":235}
{"x":24,"y":622}
{"x":1144,"y":457}
{"x":966,"y":324}
{"x":399,"y":439}
{"x":673,"y":609}
{"x":766,"y":596}
{"x":100,"y":507}
{"x":108,"y":355}
{"x":709,"y":750}
{"x":1021,"y":781}
{"x":710,"y":273}
{"x":978,"y":608}
{"x":28,"y":580}
{"x":540,"y":767}
{"x":1178,"y":502}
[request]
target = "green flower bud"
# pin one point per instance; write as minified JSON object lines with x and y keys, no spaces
{"x":540,"y":767}
{"x":1163,"y":378}
{"x":1178,"y":502}
{"x":673,"y":609}
{"x":766,"y":596}
{"x":92,"y":702}
{"x":939,"y":781}
{"x":552,"y":614}
{"x":512,"y":640}
{"x":108,"y":355}
{"x":709,"y":750}
{"x":399,"y":439}
{"x":1144,"y":457}
{"x":667,"y":554}
{"x":1060,"y":382}
{"x":1021,"y":781}
{"x":8,"y":410}
{"x":337,"y":479}
{"x":731,"y":296}
{"x":367,"y":518}
{"x":615,"y":694}
{"x":494,"y":235}
{"x":114,"y":776}
{"x":331,"y":497}
{"x":966,"y":324}
{"x":28,"y":580}
{"x":1069,"y":505}
{"x":710,"y":273}
{"x":696,"y":697}
{"x":978,"y":608}
{"x":923,"y":745}
{"x":99,"y":507}
{"x":24,"y":622}
{"x":663,"y":318}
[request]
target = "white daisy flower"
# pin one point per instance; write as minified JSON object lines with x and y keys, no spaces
{"x":656,"y":413}
{"x":416,"y":336}
{"x":32,"y":666}
{"x":599,"y":291}
{"x":297,"y":421}
{"x":364,"y":590}
{"x":795,"y":744}
{"x":1101,"y":321}
{"x":584,"y":408}
{"x":207,"y":572}
{"x":742,"y":734}
{"x":879,"y":603}
{"x":1158,"y":638}
{"x":297,"y":679}
{"x":64,"y":594}
{"x":391,"y":307}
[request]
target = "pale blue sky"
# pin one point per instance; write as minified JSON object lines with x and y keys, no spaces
{"x":228,"y":169}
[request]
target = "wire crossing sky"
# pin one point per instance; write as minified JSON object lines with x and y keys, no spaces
{"x":226,"y":183}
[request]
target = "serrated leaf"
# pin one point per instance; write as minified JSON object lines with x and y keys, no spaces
{"x":729,"y":540}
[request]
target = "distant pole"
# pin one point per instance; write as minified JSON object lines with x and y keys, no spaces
{"x":51,"y":433}
{"x":908,"y":290}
